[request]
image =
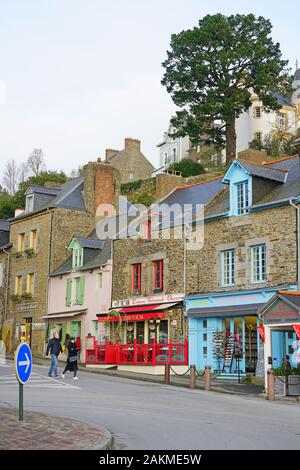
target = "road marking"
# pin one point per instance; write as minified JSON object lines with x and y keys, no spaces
{"x":36,"y":381}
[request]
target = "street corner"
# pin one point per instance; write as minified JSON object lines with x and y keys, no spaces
{"x":40,"y":431}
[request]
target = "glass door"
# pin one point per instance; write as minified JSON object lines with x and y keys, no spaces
{"x":140,"y":332}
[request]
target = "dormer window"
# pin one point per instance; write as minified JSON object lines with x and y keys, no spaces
{"x":242,"y":198}
{"x":29,"y":203}
{"x":77,"y":258}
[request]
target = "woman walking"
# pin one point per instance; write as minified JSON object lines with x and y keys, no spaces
{"x":72,"y":359}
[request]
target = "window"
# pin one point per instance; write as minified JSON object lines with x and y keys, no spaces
{"x":204,"y":336}
{"x":30,"y":284}
{"x":136,"y":278}
{"x":32,"y":239}
{"x":158,"y":275}
{"x":18,"y":285}
{"x":166,"y":157}
{"x":242,"y":198}
{"x":281,"y":120}
{"x":21,"y":242}
{"x":227,"y":268}
{"x":205,"y":351}
{"x":258,"y":137}
{"x":79,"y":291}
{"x":130,"y":176}
{"x":174,"y":155}
{"x":77,"y":258}
{"x":257,"y":112}
{"x":100,"y":280}
{"x":204,"y":323}
{"x":69,"y":293}
{"x":29,"y":203}
{"x":258,"y":263}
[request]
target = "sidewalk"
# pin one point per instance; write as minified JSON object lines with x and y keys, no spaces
{"x":40,"y":431}
{"x":224,"y":386}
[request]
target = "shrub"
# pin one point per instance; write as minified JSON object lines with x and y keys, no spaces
{"x":187,"y":167}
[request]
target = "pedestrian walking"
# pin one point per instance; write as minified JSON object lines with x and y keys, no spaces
{"x":71,"y":365}
{"x":54,"y":347}
{"x":67,"y":342}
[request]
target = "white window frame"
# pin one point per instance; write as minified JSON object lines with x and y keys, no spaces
{"x":257,"y":112}
{"x":174,"y":154}
{"x":130,"y":176}
{"x":227,"y":267}
{"x":259,"y":137}
{"x":77,"y":260}
{"x":281,"y":120}
{"x":100,"y":280}
{"x":258,"y":263}
{"x":29,"y":203}
{"x":242,"y":195}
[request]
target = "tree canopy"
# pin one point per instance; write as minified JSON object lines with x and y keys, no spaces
{"x":212,"y":70}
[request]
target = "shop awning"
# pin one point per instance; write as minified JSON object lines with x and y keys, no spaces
{"x":64,"y":315}
{"x":228,"y":311}
{"x":143,"y":312}
{"x":147,"y":308}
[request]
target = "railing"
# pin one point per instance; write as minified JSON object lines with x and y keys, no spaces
{"x":136,"y":354}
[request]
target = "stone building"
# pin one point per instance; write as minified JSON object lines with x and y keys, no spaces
{"x":249,"y":252}
{"x":39,"y":237}
{"x":5,"y":325}
{"x":130,"y":162}
{"x":148,"y":278}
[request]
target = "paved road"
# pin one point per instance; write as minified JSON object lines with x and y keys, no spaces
{"x":152,"y":416}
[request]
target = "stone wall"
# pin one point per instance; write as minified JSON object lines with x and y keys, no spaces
{"x":275,"y":227}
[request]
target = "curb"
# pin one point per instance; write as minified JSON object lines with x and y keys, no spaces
{"x":104,"y":443}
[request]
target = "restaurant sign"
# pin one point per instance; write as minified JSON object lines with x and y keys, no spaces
{"x":156,"y":299}
{"x":280,"y":313}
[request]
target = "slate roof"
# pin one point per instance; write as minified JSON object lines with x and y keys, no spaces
{"x":263,"y":171}
{"x":283,"y":191}
{"x":68,"y":196}
{"x":4,"y":225}
{"x":93,"y":256}
{"x":283,"y":100}
{"x":297,"y":75}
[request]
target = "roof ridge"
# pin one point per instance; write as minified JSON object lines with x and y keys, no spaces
{"x":197,"y":184}
{"x":280,"y":160}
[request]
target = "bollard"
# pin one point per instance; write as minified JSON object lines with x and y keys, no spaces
{"x":193,"y":376}
{"x":271,"y":385}
{"x":167,"y":373}
{"x":207,"y":378}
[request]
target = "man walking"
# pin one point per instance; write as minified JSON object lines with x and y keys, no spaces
{"x":55,"y":348}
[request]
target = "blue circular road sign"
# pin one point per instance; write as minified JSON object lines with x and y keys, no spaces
{"x":23,"y":363}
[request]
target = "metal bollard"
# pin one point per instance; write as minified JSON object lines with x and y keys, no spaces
{"x":167,"y":373}
{"x":193,"y":376}
{"x":271,"y":385}
{"x":207,"y":378}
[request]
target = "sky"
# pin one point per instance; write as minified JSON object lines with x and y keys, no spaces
{"x":78,"y":76}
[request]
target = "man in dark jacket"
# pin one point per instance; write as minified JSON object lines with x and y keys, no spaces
{"x":55,"y":348}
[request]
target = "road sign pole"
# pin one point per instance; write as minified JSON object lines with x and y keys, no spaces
{"x":21,"y":414}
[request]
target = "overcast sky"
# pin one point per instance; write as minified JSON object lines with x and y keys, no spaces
{"x":80,"y":75}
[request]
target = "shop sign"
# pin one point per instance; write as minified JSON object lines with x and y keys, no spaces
{"x":38,"y":326}
{"x":26,"y":307}
{"x":261,"y":330}
{"x":133,"y":317}
{"x":280,"y":312}
{"x":297,"y":330}
{"x":148,"y":300}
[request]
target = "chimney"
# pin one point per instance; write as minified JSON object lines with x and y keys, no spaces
{"x":109,"y":153}
{"x":131,"y":144}
{"x":19,"y":212}
{"x":101,"y":185}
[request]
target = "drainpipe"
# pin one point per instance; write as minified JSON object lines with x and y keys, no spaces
{"x":298,"y":242}
{"x":7,"y":283}
{"x":50,"y":212}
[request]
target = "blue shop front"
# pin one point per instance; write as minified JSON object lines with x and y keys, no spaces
{"x":223,"y":329}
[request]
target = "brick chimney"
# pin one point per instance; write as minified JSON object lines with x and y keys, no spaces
{"x":109,"y":153}
{"x":131,"y":143}
{"x":101,"y":185}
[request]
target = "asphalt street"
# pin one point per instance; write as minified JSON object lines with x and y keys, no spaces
{"x":146,"y":416}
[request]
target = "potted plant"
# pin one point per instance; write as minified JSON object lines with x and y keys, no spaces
{"x":29,"y":252}
{"x":26,"y":296}
{"x":15,"y":298}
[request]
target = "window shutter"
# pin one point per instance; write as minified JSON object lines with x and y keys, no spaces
{"x":69,"y":293}
{"x":81,"y":290}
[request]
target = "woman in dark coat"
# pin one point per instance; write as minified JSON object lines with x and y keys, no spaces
{"x":72,"y":359}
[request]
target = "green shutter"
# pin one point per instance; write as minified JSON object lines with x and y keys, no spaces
{"x":81,"y":290}
{"x":69,"y":293}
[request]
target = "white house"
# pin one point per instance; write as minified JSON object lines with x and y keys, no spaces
{"x":172,"y":150}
